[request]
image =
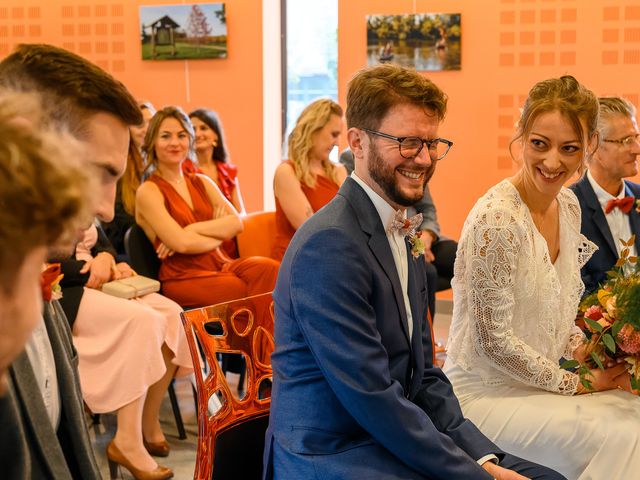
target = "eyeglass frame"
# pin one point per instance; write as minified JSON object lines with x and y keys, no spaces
{"x":424,"y":141}
{"x":626,"y":141}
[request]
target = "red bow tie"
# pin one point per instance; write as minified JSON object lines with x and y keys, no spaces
{"x":623,"y":204}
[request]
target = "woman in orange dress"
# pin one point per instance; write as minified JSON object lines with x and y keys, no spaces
{"x":308,"y":180}
{"x":187,"y":218}
{"x":213,"y":161}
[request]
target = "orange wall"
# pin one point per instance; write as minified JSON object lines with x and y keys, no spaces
{"x":107,"y":32}
{"x":507,"y":46}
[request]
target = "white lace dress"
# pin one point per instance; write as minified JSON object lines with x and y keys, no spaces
{"x":513,"y":319}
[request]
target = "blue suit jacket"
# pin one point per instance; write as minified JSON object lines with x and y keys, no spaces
{"x":352,"y":396}
{"x":594,"y":226}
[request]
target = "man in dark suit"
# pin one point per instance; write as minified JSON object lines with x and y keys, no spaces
{"x":608,"y":201}
{"x":355,"y":394}
{"x":44,"y":390}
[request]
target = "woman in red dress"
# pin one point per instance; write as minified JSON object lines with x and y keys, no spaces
{"x":308,"y":180}
{"x":187,"y":218}
{"x":213,"y":161}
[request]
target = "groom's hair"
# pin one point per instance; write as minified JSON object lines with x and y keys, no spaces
{"x":373,"y":91}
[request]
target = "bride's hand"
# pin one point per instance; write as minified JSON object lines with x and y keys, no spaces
{"x":580,"y":353}
{"x":606,"y":379}
{"x":500,"y":473}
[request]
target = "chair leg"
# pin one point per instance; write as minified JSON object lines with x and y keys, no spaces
{"x":176,"y":411}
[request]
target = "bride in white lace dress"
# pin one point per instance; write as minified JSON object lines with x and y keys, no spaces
{"x":516,"y":291}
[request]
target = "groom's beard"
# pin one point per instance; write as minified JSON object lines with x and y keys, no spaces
{"x":384,"y":175}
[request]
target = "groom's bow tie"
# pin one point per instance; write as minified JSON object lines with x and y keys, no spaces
{"x":405,"y":226}
{"x":623,"y":204}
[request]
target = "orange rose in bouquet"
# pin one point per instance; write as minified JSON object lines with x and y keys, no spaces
{"x":611,"y":321}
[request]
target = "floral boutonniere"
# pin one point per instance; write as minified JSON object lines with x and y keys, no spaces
{"x":50,"y":282}
{"x":637,"y":204}
{"x":417,"y":244}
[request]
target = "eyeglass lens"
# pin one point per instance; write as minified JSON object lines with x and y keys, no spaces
{"x":411,"y":146}
{"x":627,"y":142}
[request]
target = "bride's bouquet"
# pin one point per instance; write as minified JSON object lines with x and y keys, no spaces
{"x":610,"y":318}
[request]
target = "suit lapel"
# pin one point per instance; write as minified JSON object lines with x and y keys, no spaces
{"x":596,"y":215}
{"x":634,"y":217}
{"x":35,"y":412}
{"x":378,"y":242}
{"x":72,"y":414}
{"x":419,"y":323}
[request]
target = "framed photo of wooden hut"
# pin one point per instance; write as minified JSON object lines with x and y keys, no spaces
{"x":424,"y":41}
{"x":178,"y":32}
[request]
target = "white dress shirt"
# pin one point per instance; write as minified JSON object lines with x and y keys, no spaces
{"x":396,"y":242}
{"x":618,"y":221}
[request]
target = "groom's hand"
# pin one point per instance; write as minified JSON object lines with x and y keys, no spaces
{"x":500,"y":473}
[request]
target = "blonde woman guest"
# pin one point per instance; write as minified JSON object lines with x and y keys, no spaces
{"x":125,"y":204}
{"x":308,"y":180}
{"x":516,"y":290}
{"x":139,"y":131}
{"x":213,"y":161}
{"x":187,"y":218}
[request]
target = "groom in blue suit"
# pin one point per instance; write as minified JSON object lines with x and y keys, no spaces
{"x":608,"y":201}
{"x":355,"y":394}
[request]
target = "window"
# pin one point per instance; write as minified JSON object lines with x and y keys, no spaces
{"x":311,"y":56}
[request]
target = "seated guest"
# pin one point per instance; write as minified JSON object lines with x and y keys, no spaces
{"x":439,"y":252}
{"x":44,"y":386}
{"x":607,"y":200}
{"x":125,"y":201}
{"x":187,"y":218}
{"x":138,"y":132}
{"x":516,"y":291}
{"x":128,"y":184}
{"x":128,"y":350}
{"x":213,"y":161}
{"x":308,"y":179}
{"x":44,"y":198}
{"x":355,"y":393}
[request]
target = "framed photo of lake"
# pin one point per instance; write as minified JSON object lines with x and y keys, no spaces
{"x":179,"y":32}
{"x":424,"y":41}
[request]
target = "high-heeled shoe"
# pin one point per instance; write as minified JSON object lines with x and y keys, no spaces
{"x":157,"y":449}
{"x":117,"y":459}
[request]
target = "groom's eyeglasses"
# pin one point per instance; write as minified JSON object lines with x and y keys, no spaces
{"x":410,"y":147}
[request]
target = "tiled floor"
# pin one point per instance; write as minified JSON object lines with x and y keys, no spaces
{"x":183,"y":452}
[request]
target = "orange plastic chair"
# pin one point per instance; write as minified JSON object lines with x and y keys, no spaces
{"x":231,"y":440}
{"x":258,"y":234}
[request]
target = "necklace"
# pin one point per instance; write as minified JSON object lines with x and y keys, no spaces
{"x":177,"y":182}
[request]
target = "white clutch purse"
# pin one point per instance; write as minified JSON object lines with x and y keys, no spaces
{"x":131,"y":287}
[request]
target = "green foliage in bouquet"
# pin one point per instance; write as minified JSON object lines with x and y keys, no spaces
{"x":610,"y":318}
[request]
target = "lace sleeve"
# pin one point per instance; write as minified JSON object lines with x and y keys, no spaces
{"x":493,"y":249}
{"x":575,"y":340}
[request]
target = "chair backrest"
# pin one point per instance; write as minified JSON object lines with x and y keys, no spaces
{"x":231,"y":440}
{"x":258,"y":235}
{"x":142,"y":255}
